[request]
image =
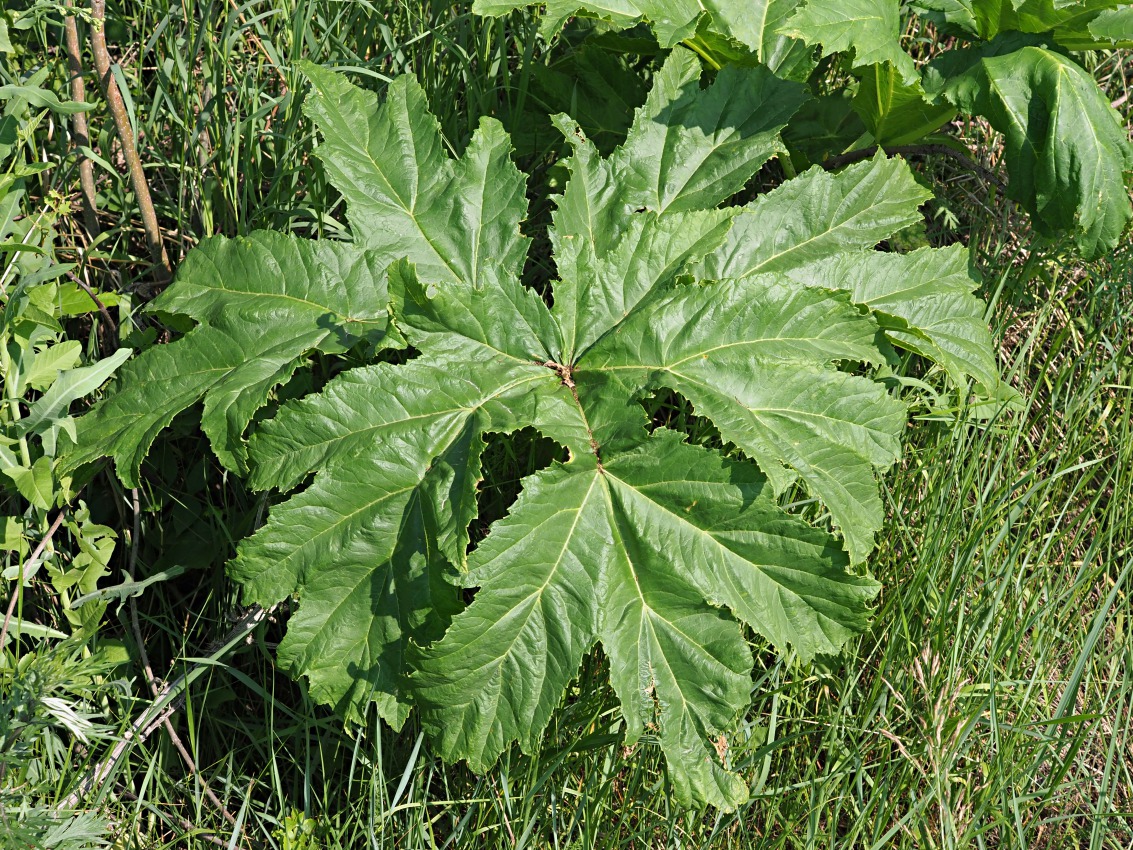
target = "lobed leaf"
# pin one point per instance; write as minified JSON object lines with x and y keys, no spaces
{"x":1113,"y":25}
{"x":630,"y":222}
{"x":264,"y":302}
{"x":924,"y":303}
{"x":897,"y":112}
{"x":592,"y":547}
{"x":765,"y":317}
{"x":817,"y":215}
{"x":396,"y":451}
{"x":756,"y":358}
{"x":456,"y":221}
{"x":870,"y":29}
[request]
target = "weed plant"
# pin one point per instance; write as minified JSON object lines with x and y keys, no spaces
{"x":990,"y":705}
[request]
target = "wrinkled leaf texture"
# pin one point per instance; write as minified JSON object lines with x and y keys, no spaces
{"x":765,"y":316}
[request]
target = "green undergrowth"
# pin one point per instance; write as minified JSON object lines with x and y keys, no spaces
{"x":991,"y":704}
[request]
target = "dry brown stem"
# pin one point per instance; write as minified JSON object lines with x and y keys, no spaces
{"x":79,"y":122}
{"x":162,"y":268}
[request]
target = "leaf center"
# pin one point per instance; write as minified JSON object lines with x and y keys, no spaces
{"x":565,"y":376}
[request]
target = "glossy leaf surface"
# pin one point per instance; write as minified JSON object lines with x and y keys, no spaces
{"x":1067,"y":149}
{"x":767,"y":318}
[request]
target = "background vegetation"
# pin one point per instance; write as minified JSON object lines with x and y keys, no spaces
{"x":990,"y":706}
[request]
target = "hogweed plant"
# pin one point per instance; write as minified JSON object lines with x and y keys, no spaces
{"x":771,"y":319}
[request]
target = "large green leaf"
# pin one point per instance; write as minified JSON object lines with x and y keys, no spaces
{"x":760,"y":26}
{"x":458,"y":221}
{"x":756,"y":358}
{"x":587,"y":555}
{"x":988,"y":18}
{"x":817,"y":215}
{"x":815,"y":229}
{"x":394,"y":523}
{"x":686,"y":152}
{"x":897,"y":112}
{"x":263,"y":303}
{"x":869,"y":29}
{"x":757,"y":24}
{"x":767,"y":318}
{"x":923,"y":301}
{"x":1067,"y":148}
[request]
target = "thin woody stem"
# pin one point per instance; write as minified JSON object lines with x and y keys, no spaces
{"x":147,"y":668}
{"x":162,"y":268}
{"x":79,"y":121}
{"x":164,"y":704}
{"x":967,"y":162}
{"x":23,"y":567}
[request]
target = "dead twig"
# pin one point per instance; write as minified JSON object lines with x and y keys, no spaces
{"x":111,"y":325}
{"x":162,"y":269}
{"x":842,"y":160}
{"x":164,"y":704}
{"x":151,"y":679}
{"x":79,"y":122}
{"x":23,"y":568}
{"x":185,"y":824}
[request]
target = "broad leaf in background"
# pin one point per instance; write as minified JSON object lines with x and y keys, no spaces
{"x":600,"y":87}
{"x":1113,"y":25}
{"x":825,"y":126}
{"x":897,"y":112}
{"x":765,"y":317}
{"x":986,"y":19}
{"x":869,"y":29}
{"x":759,"y":25}
{"x":1067,"y":149}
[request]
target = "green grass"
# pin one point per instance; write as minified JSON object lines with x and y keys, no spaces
{"x":990,"y":705}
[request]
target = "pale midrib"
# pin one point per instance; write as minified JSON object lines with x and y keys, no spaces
{"x":329,"y":529}
{"x":196,"y":392}
{"x":796,"y":415}
{"x":433,"y":414}
{"x":529,"y":599}
{"x":702,"y":353}
{"x":322,"y":308}
{"x":387,"y":563}
{"x":728,"y":552}
{"x":649,"y":612}
{"x":409,"y":211}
